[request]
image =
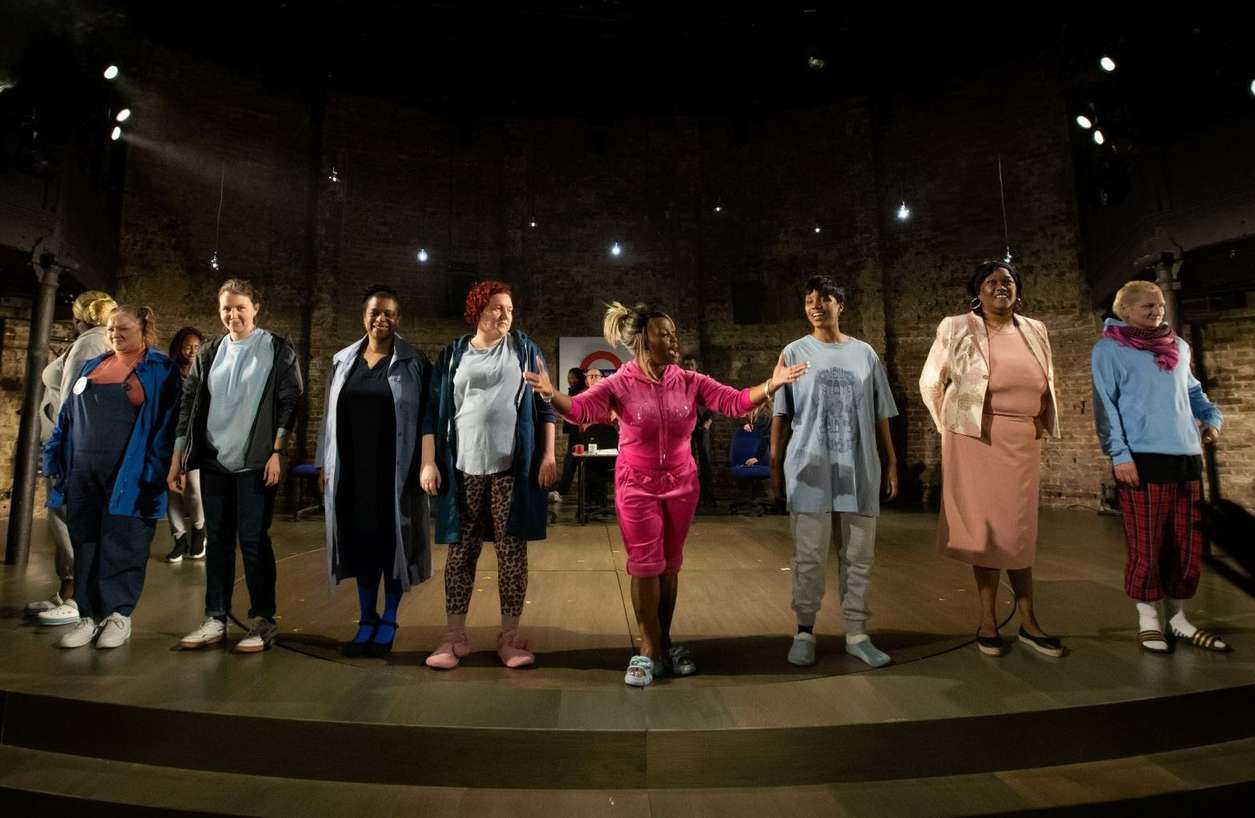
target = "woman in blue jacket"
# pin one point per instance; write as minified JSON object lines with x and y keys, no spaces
{"x":107,"y":458}
{"x":377,"y":519}
{"x":487,"y":459}
{"x":1152,"y":415}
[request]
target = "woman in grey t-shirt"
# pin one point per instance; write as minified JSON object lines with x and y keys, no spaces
{"x":487,"y":459}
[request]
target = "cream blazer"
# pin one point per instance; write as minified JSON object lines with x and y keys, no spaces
{"x":956,"y":374}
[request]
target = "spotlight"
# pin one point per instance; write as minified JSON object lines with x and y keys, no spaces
{"x":334,"y":175}
{"x":818,"y":229}
{"x":1084,"y":121}
{"x":904,"y":212}
{"x":718,"y":208}
{"x":615,"y":249}
{"x":422,"y":255}
{"x":116,"y":134}
{"x":124,"y":115}
{"x":111,"y":72}
{"x":1107,"y":63}
{"x":1253,"y":88}
{"x":532,"y":223}
{"x":1099,"y":138}
{"x":213,"y":261}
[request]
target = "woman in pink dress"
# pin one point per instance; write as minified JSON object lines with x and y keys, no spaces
{"x":656,"y":483}
{"x":989,"y":385}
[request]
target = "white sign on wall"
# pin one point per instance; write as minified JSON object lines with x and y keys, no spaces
{"x":587,"y":353}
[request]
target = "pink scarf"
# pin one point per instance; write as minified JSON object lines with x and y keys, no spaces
{"x":1161,"y":341}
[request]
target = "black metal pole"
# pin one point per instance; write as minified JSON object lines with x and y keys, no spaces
{"x":26,"y":458}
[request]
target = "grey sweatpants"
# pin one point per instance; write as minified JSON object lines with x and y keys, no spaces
{"x":812,"y":537}
{"x":64,"y":554}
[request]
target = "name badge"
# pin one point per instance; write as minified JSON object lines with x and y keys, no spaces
{"x":80,"y":386}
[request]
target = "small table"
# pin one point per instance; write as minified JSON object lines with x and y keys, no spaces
{"x":581,"y":507}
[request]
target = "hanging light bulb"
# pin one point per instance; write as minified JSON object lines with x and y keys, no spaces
{"x":422,"y":255}
{"x":532,"y":223}
{"x":904,"y":212}
{"x":111,"y":72}
{"x":1099,"y":138}
{"x":1107,"y":63}
{"x":1084,"y":121}
{"x":718,"y":208}
{"x":116,"y":134}
{"x":213,"y":262}
{"x":818,"y":229}
{"x":616,"y":250}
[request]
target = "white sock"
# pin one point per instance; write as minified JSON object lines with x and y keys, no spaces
{"x":1176,"y":617}
{"x":1148,"y":616}
{"x":1148,"y":620}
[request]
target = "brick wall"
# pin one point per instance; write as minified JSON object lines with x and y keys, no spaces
{"x":466,"y":191}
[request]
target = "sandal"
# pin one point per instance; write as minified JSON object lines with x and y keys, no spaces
{"x":679,"y":661}
{"x":640,"y":672}
{"x":1203,"y":639}
{"x":1145,"y":638}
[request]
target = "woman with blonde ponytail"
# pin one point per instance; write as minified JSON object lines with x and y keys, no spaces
{"x":91,"y":310}
{"x":656,"y":483}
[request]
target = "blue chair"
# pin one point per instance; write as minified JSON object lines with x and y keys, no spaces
{"x":306,"y":475}
{"x":744,"y":446}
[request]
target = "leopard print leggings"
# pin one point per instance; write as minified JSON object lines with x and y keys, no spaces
{"x":484,"y":506}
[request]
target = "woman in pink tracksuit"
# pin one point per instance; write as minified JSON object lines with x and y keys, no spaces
{"x":656,"y":485}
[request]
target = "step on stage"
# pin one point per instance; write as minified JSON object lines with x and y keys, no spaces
{"x":149,"y":729}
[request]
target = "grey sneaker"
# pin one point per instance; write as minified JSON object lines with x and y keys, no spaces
{"x":211,"y":632}
{"x":802,"y":653}
{"x":81,"y":634}
{"x":114,"y":631}
{"x":261,"y":635}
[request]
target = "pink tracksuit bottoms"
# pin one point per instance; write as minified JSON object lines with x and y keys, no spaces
{"x":656,"y":508}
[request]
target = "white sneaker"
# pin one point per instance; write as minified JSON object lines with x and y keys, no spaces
{"x":81,"y":634}
{"x":555,"y":497}
{"x":36,"y":608}
{"x":802,"y":653}
{"x":261,"y":635}
{"x":211,"y":632}
{"x":114,"y":631}
{"x":64,"y":614}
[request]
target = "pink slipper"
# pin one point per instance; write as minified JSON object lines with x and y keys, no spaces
{"x":512,"y":650}
{"x":450,"y":651}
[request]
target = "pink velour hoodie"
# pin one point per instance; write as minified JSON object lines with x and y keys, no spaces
{"x":656,"y":420}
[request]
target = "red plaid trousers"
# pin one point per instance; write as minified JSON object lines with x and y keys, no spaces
{"x":1165,"y":543}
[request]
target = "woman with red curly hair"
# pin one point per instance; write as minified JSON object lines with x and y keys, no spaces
{"x":487,"y":460}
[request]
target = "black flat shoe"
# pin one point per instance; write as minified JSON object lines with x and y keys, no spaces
{"x":991,"y":645}
{"x":1048,"y":645}
{"x":354,"y":650}
{"x":378,"y":650}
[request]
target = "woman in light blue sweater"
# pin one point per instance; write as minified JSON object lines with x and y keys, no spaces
{"x":1152,"y":416}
